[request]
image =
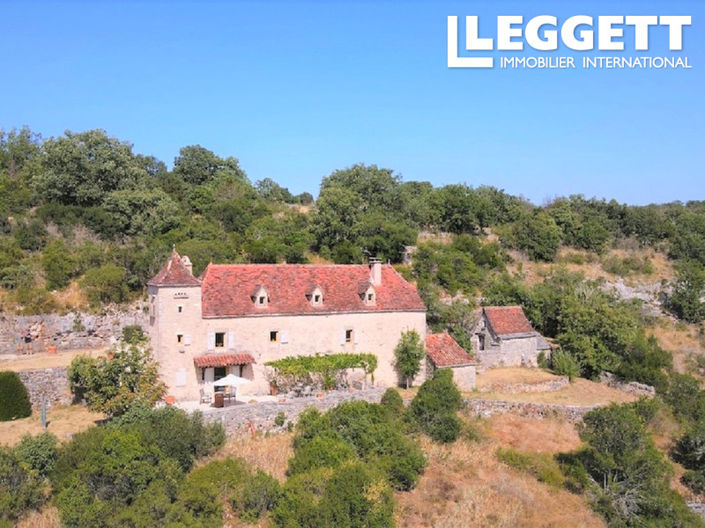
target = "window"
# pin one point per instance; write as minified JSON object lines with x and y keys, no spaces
{"x":481,"y":338}
{"x":348,"y":336}
{"x":317,"y":299}
{"x":370,"y":297}
{"x":180,"y":309}
{"x":261,"y":300}
{"x":219,"y":339}
{"x":273,"y":336}
{"x":179,"y":338}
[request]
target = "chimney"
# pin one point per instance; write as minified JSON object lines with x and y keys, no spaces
{"x":187,"y":264}
{"x":375,"y":271}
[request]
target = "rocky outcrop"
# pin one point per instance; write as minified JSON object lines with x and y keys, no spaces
{"x":36,"y":333}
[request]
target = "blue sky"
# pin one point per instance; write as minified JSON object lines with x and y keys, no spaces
{"x":298,"y":89}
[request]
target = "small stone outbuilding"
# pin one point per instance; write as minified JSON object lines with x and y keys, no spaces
{"x":444,"y":352}
{"x":504,"y":337}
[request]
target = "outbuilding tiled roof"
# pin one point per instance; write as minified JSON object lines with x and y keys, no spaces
{"x":222,"y":360}
{"x":227,"y":289}
{"x":444,"y":351}
{"x":506,"y":320}
{"x":174,"y":273}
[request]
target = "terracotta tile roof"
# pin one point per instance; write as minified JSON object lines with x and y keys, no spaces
{"x":222,"y":360}
{"x":444,"y":351}
{"x":227,"y":289}
{"x":506,"y":320}
{"x":174,"y":273}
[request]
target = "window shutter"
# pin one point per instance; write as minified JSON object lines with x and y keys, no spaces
{"x":342,"y":337}
{"x":231,"y":340}
{"x":211,"y":340}
{"x":187,"y":339}
{"x":284,"y":336}
{"x":355,"y":336}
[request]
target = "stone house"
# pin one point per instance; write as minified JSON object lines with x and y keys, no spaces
{"x":442,"y":351}
{"x":236,"y":317}
{"x":503,"y":336}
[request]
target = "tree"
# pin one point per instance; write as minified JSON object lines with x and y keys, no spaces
{"x":58,"y":263}
{"x":14,"y":399}
{"x":81,"y":169}
{"x":196,"y":165}
{"x":435,"y":406}
{"x":408,"y":354}
{"x":20,"y":487}
{"x":688,"y":290}
{"x":105,"y":284}
{"x":539,"y":236}
{"x":114,"y":385}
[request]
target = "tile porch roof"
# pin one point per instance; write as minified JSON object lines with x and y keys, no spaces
{"x":222,"y":360}
{"x":227,"y":289}
{"x":444,"y":351}
{"x":508,"y":320}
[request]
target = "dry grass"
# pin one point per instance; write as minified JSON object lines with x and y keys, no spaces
{"x":535,"y":272}
{"x":530,"y":434}
{"x":42,"y":360}
{"x":270,"y":453}
{"x":62,"y":422}
{"x":464,"y":485}
{"x":681,"y":339}
{"x":580,"y":392}
{"x":47,"y":517}
{"x":72,"y":297}
{"x":513,"y":375}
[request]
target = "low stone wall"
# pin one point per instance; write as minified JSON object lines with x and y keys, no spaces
{"x":50,"y":384}
{"x":260,"y":416}
{"x":516,"y":388}
{"x":572,"y":413}
{"x":630,"y":387}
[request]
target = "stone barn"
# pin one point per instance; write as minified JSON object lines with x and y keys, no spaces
{"x":444,"y":352}
{"x":504,"y":337}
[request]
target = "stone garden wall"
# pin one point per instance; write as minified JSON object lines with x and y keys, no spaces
{"x":50,"y":384}
{"x":572,"y":413}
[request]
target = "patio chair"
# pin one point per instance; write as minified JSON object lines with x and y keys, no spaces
{"x":205,"y":397}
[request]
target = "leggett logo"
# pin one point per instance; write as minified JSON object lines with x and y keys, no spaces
{"x":577,"y":33}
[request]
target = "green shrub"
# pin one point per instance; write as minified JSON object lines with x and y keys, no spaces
{"x":393,"y":402}
{"x":435,"y":406}
{"x":280,"y":418}
{"x":694,"y":481}
{"x":320,"y":451}
{"x":259,"y":496}
{"x":21,"y":488}
{"x":541,"y":465}
{"x":38,"y":452}
{"x":133,"y":334}
{"x":14,"y":399}
{"x":564,"y":364}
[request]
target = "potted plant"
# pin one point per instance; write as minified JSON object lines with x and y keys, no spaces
{"x":273,"y":387}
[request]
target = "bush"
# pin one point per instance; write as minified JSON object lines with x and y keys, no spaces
{"x":280,"y":418}
{"x":105,"y":284}
{"x":133,"y":334}
{"x":393,"y":402}
{"x":435,"y":405}
{"x":541,"y":465}
{"x":259,"y":495}
{"x":564,"y":363}
{"x":21,"y":488}
{"x":14,"y":399}
{"x":320,"y":451}
{"x":694,"y":481}
{"x":38,"y":452}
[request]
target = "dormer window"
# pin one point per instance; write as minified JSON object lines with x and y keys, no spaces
{"x":315,"y":296}
{"x":367,"y":294}
{"x":260,"y":297}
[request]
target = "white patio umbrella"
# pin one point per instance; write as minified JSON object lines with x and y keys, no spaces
{"x":231,"y":380}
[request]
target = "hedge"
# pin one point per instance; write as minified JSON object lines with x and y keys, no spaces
{"x":14,"y":400}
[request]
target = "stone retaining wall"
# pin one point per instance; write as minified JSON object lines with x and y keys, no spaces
{"x":66,"y":332}
{"x":630,"y":387}
{"x":572,"y":413}
{"x":50,"y":384}
{"x":515,"y":388}
{"x":260,"y":416}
